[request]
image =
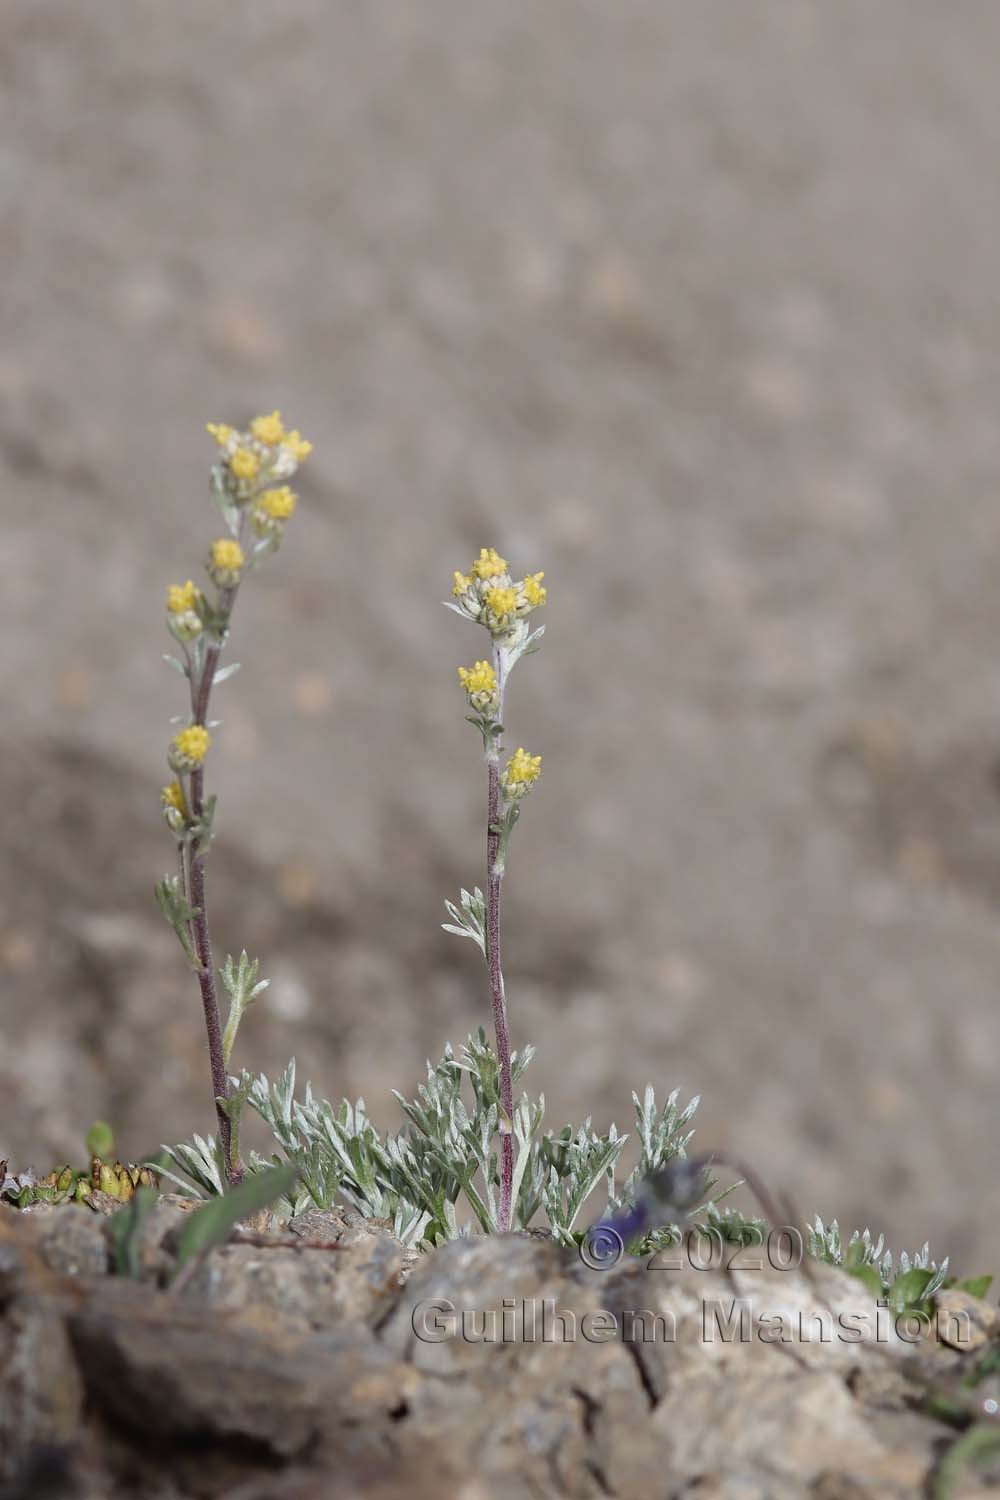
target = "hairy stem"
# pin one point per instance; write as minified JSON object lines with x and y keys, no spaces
{"x":494,"y":884}
{"x":201,"y":693}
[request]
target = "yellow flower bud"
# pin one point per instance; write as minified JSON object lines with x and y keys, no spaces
{"x":183,"y":620}
{"x":182,"y":597}
{"x":480,"y":682}
{"x":531,"y":594}
{"x":173,"y":796}
{"x":174,"y":807}
{"x":268,"y":430}
{"x":489,"y":564}
{"x":244,"y":464}
{"x":225,"y":560}
{"x":501,"y":607}
{"x":188,"y":748}
{"x":520,"y":774}
{"x":278,"y":504}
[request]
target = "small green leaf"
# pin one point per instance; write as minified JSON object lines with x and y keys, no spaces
{"x":869,"y":1278}
{"x":980,"y":1442}
{"x":976,"y":1286}
{"x":854,"y":1257}
{"x":125,"y":1227}
{"x":908,"y":1289}
{"x":209,"y":1226}
{"x":101,"y":1140}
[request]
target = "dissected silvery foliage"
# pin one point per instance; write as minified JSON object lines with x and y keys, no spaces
{"x":444,"y":1156}
{"x":825,"y":1242}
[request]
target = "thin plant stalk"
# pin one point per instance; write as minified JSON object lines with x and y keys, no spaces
{"x":494,"y":885}
{"x":255,"y":517}
{"x":201,"y":695}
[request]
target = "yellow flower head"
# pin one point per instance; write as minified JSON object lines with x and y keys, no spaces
{"x":244,"y":464}
{"x":489,"y":564}
{"x":278,"y":504}
{"x":268,"y":430}
{"x":189,"y":747}
{"x":227,"y":555}
{"x":225,"y":559}
{"x":520,"y":774}
{"x":501,"y":601}
{"x":480,"y":682}
{"x":172,"y":796}
{"x":462,"y":584}
{"x":479,"y":678}
{"x":221,"y":432}
{"x":299,"y":446}
{"x":182,"y":597}
{"x":532,"y":590}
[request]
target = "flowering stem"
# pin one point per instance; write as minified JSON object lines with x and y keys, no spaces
{"x":201,"y":693}
{"x":494,"y":882}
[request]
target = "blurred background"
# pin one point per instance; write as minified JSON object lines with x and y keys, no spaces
{"x":695,"y":307}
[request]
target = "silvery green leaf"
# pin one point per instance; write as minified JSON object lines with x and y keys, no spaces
{"x":468,"y":919}
{"x":225,"y":672}
{"x":186,"y":1188}
{"x":179,"y":913}
{"x":198,"y":1158}
{"x":176,"y":663}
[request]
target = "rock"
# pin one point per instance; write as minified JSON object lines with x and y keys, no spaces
{"x":189,"y":1375}
{"x":352,"y":1275}
{"x":158,"y":1234}
{"x":502,"y":1366}
{"x":41,"y":1394}
{"x":964,"y":1322}
{"x":69,"y":1238}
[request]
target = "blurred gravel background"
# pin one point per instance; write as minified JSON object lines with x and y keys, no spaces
{"x":695,"y":306}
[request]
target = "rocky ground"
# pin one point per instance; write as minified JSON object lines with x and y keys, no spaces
{"x":693,"y":306}
{"x":307,"y":1361}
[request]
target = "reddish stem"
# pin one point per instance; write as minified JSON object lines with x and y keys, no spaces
{"x":494,"y":881}
{"x":201,"y":693}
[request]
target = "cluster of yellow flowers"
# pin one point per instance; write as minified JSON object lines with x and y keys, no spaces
{"x":251,"y":478}
{"x":185,"y":753}
{"x":265,"y":452}
{"x":488,"y":594}
{"x":252,"y":464}
{"x":520,"y":774}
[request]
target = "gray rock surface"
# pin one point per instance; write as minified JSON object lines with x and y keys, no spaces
{"x":693,"y":306}
{"x":501,"y":1367}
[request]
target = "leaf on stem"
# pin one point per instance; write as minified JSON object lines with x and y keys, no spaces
{"x":179,"y":913}
{"x":209,"y":1226}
